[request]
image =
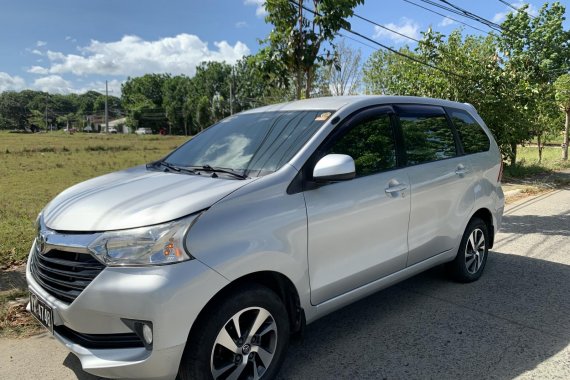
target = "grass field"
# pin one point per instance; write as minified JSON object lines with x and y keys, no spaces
{"x":527,"y":162}
{"x":36,"y":167}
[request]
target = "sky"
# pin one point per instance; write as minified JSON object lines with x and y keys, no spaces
{"x":73,"y":46}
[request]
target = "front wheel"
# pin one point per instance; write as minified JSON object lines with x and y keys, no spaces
{"x":472,"y":254}
{"x":244,"y":336}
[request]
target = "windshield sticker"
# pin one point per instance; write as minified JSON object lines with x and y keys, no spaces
{"x":323,"y":116}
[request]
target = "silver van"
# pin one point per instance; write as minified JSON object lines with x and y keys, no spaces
{"x":201,"y":265}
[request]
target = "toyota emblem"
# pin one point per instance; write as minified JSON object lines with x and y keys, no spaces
{"x":41,"y":242}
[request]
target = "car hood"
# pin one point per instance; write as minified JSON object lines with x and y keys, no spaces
{"x":134,"y":197}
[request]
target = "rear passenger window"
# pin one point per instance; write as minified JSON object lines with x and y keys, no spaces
{"x":371,"y":144}
{"x":427,"y":135}
{"x":472,"y":136}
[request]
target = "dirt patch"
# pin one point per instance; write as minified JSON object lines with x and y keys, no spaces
{"x":13,"y":278}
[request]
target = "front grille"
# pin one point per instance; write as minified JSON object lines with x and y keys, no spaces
{"x":64,"y":274}
{"x":124,"y":340}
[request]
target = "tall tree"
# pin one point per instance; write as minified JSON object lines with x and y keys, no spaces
{"x":562,"y":86}
{"x":344,"y":74}
{"x":298,"y":42}
{"x":537,"y":48}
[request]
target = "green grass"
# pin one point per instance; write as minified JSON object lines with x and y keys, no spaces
{"x":36,"y":167}
{"x":527,"y":164}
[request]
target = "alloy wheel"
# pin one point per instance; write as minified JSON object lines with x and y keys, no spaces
{"x":475,"y":251}
{"x":245,"y":346}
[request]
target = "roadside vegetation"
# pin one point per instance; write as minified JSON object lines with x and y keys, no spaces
{"x":36,"y":167}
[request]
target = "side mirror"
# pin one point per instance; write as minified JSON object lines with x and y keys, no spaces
{"x":334,"y":167}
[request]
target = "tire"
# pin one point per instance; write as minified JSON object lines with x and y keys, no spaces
{"x":215,"y":350}
{"x":469,"y":263}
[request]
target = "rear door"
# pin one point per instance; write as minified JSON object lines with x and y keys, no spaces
{"x":441,"y":180}
{"x":357,"y":229}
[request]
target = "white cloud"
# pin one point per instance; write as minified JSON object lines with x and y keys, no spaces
{"x":8,"y":82}
{"x":500,"y":16}
{"x":241,"y":24}
{"x":38,"y":70}
{"x":446,"y":21}
{"x":260,"y":8}
{"x":133,"y":56}
{"x":407,"y":26}
{"x":53,"y":84}
{"x":41,"y":43}
{"x":69,"y":38}
{"x":36,"y":51}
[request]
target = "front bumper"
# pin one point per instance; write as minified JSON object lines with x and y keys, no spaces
{"x":170,"y":296}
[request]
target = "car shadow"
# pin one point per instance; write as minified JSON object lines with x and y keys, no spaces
{"x":72,"y":362}
{"x":510,"y":321}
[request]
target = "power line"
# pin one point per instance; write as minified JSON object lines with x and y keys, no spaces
{"x":411,"y":58}
{"x":385,"y":27}
{"x":465,"y":13}
{"x":515,"y":8}
{"x":444,"y":15}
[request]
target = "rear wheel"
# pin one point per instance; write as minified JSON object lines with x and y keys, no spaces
{"x":243,"y":337}
{"x":471,"y":258}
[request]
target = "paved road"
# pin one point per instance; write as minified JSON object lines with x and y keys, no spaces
{"x":513,"y":323}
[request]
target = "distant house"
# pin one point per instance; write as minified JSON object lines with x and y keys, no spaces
{"x":119,"y":124}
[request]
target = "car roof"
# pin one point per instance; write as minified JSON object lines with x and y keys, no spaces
{"x":334,"y":103}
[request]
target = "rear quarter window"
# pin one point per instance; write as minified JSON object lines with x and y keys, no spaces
{"x":471,"y":134}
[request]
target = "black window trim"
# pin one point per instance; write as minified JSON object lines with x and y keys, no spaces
{"x":303,"y":181}
{"x":458,"y":147}
{"x":459,"y":141}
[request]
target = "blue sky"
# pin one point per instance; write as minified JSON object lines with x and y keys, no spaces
{"x":75,"y":45}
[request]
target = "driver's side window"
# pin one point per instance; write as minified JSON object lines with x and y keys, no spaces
{"x":370,"y":143}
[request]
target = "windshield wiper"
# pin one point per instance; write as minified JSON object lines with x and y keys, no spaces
{"x":170,"y":167}
{"x":208,"y":168}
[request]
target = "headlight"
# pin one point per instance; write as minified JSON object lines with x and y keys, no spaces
{"x":154,"y":245}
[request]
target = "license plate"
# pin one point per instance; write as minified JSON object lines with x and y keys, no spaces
{"x":41,"y":311}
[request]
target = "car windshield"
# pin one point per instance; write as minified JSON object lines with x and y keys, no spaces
{"x":253,"y":144}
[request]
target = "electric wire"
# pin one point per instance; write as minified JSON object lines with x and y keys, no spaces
{"x":409,"y":57}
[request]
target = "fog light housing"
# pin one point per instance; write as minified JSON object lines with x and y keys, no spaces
{"x":147,"y":333}
{"x":143,"y":329}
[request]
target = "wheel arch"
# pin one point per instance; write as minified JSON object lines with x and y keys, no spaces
{"x":277,"y":282}
{"x":486,"y":216}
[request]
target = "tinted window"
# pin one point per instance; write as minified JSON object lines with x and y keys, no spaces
{"x":472,"y":136}
{"x":255,"y":143}
{"x":427,"y":135}
{"x":371,"y":144}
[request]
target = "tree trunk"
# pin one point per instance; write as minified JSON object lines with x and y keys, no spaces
{"x":566,"y":127}
{"x":185,"y":127}
{"x":308,"y":85}
{"x":540,"y":146}
{"x":513,"y":154}
{"x":299,"y":85}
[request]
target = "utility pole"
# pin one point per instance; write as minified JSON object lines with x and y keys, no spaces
{"x":106,"y":108}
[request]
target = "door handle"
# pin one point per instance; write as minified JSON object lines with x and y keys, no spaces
{"x":461,"y":170}
{"x":395,"y":188}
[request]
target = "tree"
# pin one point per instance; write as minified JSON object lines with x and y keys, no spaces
{"x":14,"y":112}
{"x":142,"y":99}
{"x":562,"y":86}
{"x":176,"y":93}
{"x":203,"y":113}
{"x":537,"y":49}
{"x":296,"y":45}
{"x":344,"y":75}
